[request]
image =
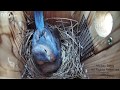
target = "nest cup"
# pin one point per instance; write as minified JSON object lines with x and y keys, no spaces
{"x":71,"y":66}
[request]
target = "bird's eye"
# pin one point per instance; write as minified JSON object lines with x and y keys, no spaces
{"x":39,"y":36}
{"x":45,"y":50}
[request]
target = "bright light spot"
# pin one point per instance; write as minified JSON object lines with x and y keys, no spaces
{"x":103,"y":24}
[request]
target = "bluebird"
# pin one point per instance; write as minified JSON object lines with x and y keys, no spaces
{"x":46,"y":49}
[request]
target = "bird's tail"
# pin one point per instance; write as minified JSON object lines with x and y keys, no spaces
{"x":39,"y":20}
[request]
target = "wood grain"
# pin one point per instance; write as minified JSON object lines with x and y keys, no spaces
{"x":105,"y":54}
{"x":10,"y":40}
{"x":110,"y":56}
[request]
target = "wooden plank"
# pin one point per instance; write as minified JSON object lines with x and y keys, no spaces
{"x":86,"y":13}
{"x":62,"y":14}
{"x":77,"y":15}
{"x":8,"y":74}
{"x":101,"y":43}
{"x":10,"y":40}
{"x":90,"y":18}
{"x":100,"y":64}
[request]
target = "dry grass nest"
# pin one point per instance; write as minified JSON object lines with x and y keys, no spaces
{"x":71,"y":67}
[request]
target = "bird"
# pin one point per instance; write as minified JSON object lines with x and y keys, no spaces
{"x":46,"y":49}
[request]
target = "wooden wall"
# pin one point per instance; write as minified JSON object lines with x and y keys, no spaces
{"x":105,"y":64}
{"x":101,"y":43}
{"x":10,"y":39}
{"x":62,"y":14}
{"x":105,"y":54}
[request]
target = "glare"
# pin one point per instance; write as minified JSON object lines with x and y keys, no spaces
{"x":103,"y":24}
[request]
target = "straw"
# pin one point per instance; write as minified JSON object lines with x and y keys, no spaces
{"x":71,"y":67}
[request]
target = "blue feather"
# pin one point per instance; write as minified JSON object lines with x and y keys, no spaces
{"x":43,"y":37}
{"x":39,"y":20}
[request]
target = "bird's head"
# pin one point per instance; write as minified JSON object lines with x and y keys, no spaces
{"x":43,"y":53}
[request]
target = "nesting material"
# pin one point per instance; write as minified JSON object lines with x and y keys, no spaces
{"x":71,"y":67}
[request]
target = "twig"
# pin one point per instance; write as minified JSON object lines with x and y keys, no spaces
{"x":71,"y":66}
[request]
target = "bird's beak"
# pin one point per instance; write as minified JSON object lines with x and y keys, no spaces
{"x":49,"y":58}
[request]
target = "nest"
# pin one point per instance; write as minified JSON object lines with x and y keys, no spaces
{"x":71,"y":66}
